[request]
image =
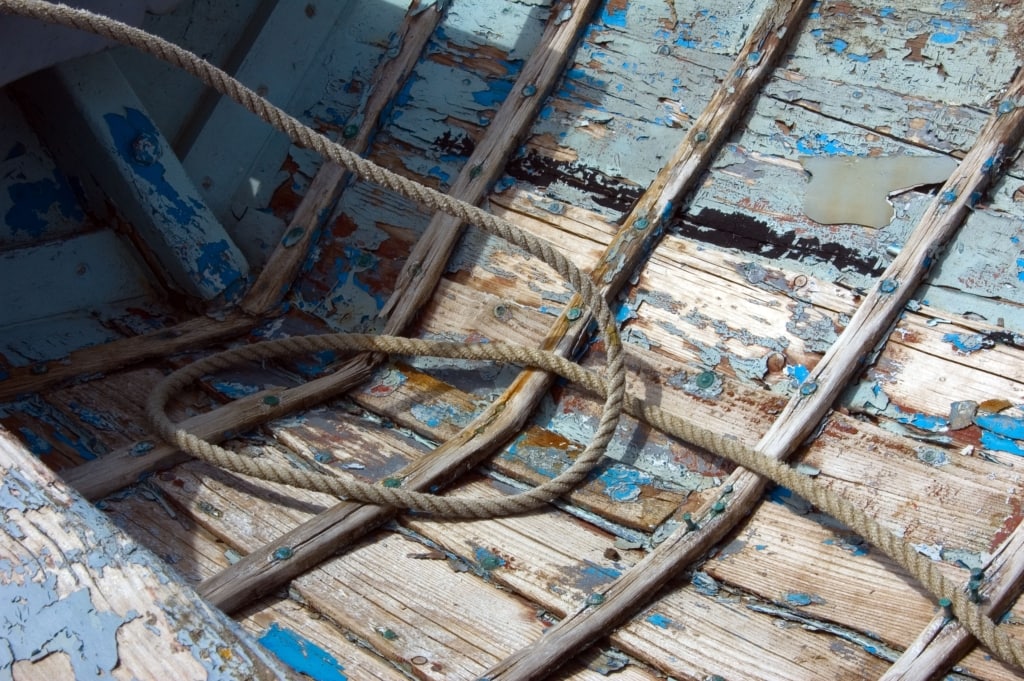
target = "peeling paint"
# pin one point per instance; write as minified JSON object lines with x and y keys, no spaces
{"x":38,"y":621}
{"x":302,"y":655}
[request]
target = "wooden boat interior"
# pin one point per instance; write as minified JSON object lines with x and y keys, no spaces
{"x":672,"y":150}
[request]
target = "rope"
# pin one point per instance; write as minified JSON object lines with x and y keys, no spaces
{"x":973,"y":618}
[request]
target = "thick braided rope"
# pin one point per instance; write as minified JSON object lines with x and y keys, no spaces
{"x":970,"y":615}
{"x":441,"y":506}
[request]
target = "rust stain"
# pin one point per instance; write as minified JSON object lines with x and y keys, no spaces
{"x":1009,"y":523}
{"x":285,"y":199}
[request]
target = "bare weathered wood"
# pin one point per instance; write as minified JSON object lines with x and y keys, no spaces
{"x":100,"y":477}
{"x":943,"y":641}
{"x":329,"y":182}
{"x":123,"y":352}
{"x":763,"y":47}
{"x":79,"y":589}
{"x":255,"y":574}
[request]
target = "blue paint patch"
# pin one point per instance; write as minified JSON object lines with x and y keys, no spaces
{"x":439,"y":173}
{"x":821,"y":144}
{"x":487,"y":560}
{"x":302,"y":655}
{"x":934,"y":424}
{"x":37,"y":621}
{"x":495,"y":94}
{"x":624,"y":484}
{"x":1007,"y":426}
{"x":215,"y":265}
{"x":593,"y":577}
{"x":798,"y":372}
{"x":233,"y":389}
{"x":613,"y":17}
{"x":35,"y":444}
{"x":862,"y":58}
{"x":839,"y":45}
{"x":1020,"y":269}
{"x":760,"y":547}
{"x":780,"y":495}
{"x":504,"y":183}
{"x":998,"y":443}
{"x":952,"y":6}
{"x":965,"y":342}
{"x":35,"y":204}
{"x":800,"y":599}
{"x":659,"y":620}
{"x":886,"y":12}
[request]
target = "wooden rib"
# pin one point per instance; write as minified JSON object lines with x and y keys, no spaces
{"x":283,"y":265}
{"x":766,"y":43}
{"x":313,"y":541}
{"x":123,"y":352}
{"x":943,"y":641}
{"x":123,"y":466}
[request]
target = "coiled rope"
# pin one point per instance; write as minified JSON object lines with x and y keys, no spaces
{"x":970,"y":614}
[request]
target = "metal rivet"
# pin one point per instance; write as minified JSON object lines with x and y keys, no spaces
{"x":888,"y":286}
{"x":718,"y":506}
{"x":573,"y":313}
{"x":753,"y":57}
{"x":142,"y":448}
{"x":808,"y":388}
{"x":690,"y":525}
{"x":641,"y":223}
{"x":38,"y":368}
{"x":700,"y":137}
{"x":386,"y":633}
{"x":418,"y":660}
{"x":350,"y":131}
{"x":706,"y":379}
{"x":947,"y":608}
{"x":146,"y":148}
{"x":392,"y":482}
{"x":529,"y":90}
{"x":475,"y":171}
{"x":664,"y":50}
{"x":323,"y":457}
{"x":283,"y":553}
{"x":947,"y":197}
{"x":292,"y":237}
{"x":595,"y":599}
{"x":727,"y":489}
{"x":973,"y":588}
{"x":501,"y":311}
{"x":271,"y":400}
{"x":1005,"y":107}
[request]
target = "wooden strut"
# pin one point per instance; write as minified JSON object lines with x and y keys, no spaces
{"x":322,"y":536}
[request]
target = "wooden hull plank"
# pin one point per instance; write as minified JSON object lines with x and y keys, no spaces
{"x":144,"y":620}
{"x":110,"y":136}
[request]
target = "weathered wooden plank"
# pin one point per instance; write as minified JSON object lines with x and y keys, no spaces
{"x":283,"y":264}
{"x":115,"y":144}
{"x":295,"y":634}
{"x":123,"y":352}
{"x":141,"y":618}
